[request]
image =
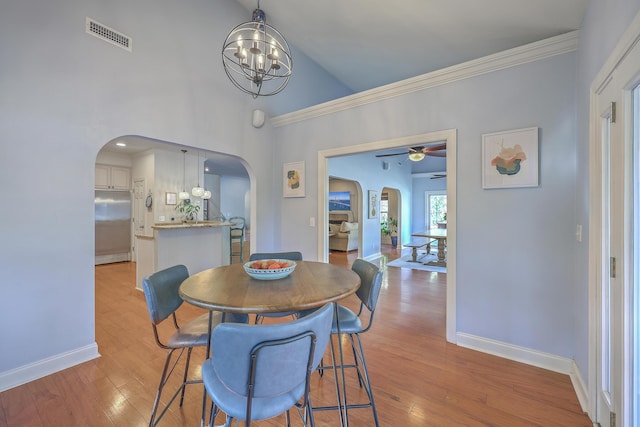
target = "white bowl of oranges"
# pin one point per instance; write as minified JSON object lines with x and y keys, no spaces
{"x":269,"y":269}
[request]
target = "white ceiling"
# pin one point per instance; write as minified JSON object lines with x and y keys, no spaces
{"x":370,"y":43}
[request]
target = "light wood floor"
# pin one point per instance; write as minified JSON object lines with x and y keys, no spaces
{"x":418,"y":378}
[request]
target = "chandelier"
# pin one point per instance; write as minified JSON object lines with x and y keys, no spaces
{"x":256,"y":57}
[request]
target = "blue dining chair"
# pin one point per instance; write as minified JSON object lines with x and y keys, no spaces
{"x":163,"y":300}
{"x":292,"y":256}
{"x":351,"y":323}
{"x":260,"y":371}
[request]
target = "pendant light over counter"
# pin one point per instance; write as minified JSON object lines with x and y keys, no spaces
{"x":183,"y":195}
{"x":207,"y":193}
{"x":198,"y":191}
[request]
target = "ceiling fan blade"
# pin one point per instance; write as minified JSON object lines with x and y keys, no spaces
{"x":442,"y":153}
{"x":387,"y":155}
{"x":439,"y":150}
{"x":435,"y":147}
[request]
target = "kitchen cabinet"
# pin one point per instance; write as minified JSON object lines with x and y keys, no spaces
{"x":113,"y":177}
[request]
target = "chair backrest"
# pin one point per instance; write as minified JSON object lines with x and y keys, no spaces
{"x":238,"y":222}
{"x":285,"y":355}
{"x":161,"y":292}
{"x":293,"y":256}
{"x":370,"y":284}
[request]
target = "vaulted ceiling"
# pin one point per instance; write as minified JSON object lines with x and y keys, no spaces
{"x":370,"y":43}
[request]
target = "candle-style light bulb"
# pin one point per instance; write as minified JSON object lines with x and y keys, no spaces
{"x":243,"y":58}
{"x":274,"y":56}
{"x":238,"y":53}
{"x":261,"y":63}
{"x":254,"y":46}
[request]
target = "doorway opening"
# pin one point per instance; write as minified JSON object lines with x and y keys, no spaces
{"x":344,"y":215}
{"x":390,"y":217}
{"x":448,"y":136}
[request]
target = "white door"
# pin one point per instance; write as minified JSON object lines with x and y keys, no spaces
{"x":635,"y":286}
{"x":616,"y":388}
{"x":608,"y":299}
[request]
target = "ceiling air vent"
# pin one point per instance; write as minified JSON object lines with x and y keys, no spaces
{"x":109,"y":35}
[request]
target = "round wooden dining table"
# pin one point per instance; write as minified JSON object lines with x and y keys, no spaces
{"x":312,"y":284}
{"x":230,"y":289}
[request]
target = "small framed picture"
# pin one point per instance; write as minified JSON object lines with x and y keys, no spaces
{"x":510,"y":159}
{"x":373,"y":203}
{"x":293,"y":179}
{"x":171,"y":198}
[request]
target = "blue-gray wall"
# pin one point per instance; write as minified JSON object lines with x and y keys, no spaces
{"x":514,"y":246}
{"x":522,"y":276}
{"x":64,"y":95}
{"x":604,"y":23}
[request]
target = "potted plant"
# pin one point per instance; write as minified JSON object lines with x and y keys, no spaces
{"x":443,"y":223}
{"x":390,"y":228}
{"x":190,"y":210}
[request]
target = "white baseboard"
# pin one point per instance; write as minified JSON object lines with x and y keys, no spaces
{"x":540,"y":359}
{"x":373,"y":257}
{"x":531,"y":357}
{"x":44,"y":367}
{"x":580,"y":387}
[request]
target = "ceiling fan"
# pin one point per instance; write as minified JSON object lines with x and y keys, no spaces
{"x":420,"y":152}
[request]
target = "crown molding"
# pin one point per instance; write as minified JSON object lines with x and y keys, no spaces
{"x":536,"y":51}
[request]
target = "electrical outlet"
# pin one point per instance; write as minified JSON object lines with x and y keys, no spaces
{"x":161,"y":218}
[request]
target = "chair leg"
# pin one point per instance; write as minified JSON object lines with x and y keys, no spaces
{"x":368,"y":388}
{"x":360,"y":365}
{"x":309,"y":417}
{"x":212,"y":415}
{"x":355,"y":359}
{"x":184,"y":377}
{"x":163,"y":379}
{"x":168,"y":369}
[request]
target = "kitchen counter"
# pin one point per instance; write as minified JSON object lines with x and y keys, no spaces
{"x":198,"y":246}
{"x":199,"y":224}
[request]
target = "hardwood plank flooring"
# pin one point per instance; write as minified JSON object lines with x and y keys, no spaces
{"x":418,"y":378}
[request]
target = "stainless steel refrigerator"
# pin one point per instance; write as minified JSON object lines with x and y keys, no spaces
{"x":113,"y":226}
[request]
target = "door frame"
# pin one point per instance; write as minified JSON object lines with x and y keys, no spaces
{"x":450,"y":137}
{"x":629,"y":41}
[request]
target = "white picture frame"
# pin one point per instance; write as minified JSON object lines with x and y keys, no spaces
{"x":510,"y":159}
{"x":293,"y":179}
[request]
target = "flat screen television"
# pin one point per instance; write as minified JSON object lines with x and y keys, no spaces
{"x":339,"y":201}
